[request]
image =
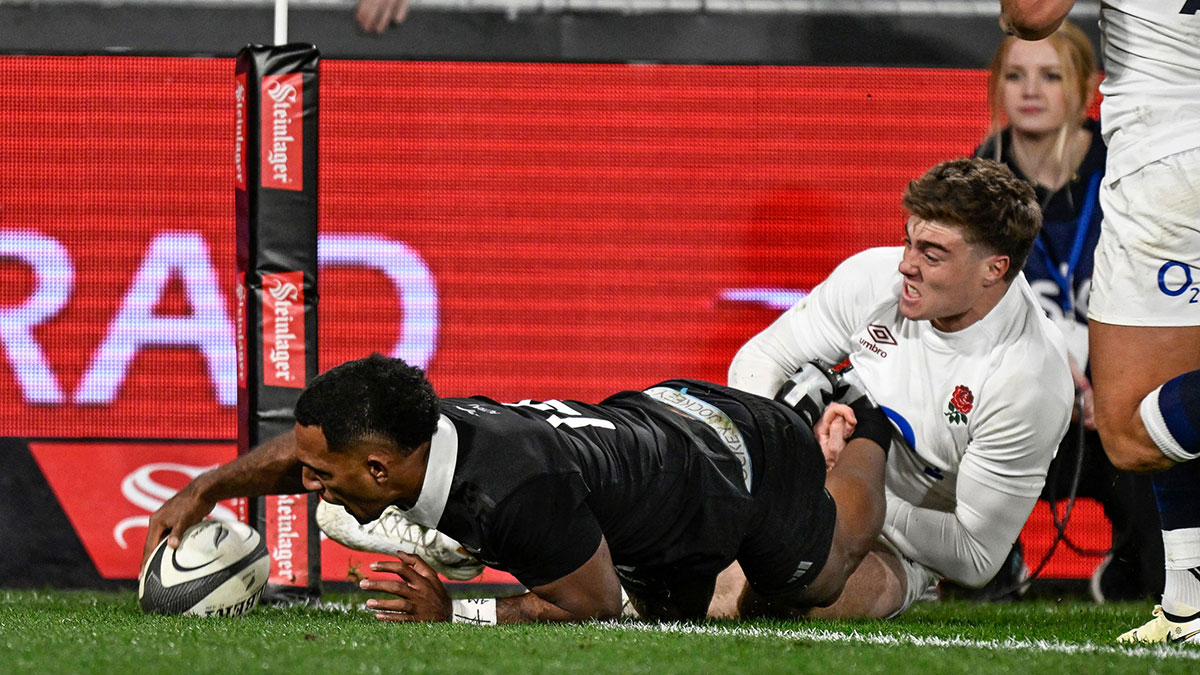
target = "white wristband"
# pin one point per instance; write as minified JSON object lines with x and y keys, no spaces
{"x":479,"y":611}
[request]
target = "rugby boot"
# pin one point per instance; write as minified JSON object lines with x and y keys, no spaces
{"x":1165,"y":628}
{"x":393,"y":532}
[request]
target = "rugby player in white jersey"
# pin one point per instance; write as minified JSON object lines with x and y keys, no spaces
{"x":1144,"y":316}
{"x":946,"y":336}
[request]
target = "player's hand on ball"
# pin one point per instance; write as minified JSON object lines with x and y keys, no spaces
{"x":186,"y":508}
{"x":420,"y":594}
{"x":832,"y":430}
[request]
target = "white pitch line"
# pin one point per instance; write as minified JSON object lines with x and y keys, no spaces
{"x":821,"y":635}
{"x":880,"y":639}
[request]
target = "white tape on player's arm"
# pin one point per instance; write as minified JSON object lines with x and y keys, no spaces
{"x":479,"y":611}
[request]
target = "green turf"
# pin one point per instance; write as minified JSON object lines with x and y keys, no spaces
{"x":70,"y":632}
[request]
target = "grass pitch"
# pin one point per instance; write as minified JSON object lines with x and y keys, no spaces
{"x":82,"y":632}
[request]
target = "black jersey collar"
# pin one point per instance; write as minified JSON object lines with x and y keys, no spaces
{"x":443,"y":455}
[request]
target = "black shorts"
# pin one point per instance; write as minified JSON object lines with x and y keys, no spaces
{"x":785,"y":540}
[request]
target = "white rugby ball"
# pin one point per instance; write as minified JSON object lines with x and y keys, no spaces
{"x":219,"y":569}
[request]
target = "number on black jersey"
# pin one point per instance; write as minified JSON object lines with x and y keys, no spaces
{"x":574,"y":419}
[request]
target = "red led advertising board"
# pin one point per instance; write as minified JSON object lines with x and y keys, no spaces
{"x":520,"y":230}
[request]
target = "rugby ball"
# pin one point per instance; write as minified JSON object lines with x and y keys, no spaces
{"x":219,"y":569}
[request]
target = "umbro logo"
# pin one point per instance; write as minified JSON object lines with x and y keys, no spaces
{"x":879,"y":335}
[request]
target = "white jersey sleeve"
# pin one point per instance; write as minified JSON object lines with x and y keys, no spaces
{"x":1000,"y":477}
{"x":817,"y":328}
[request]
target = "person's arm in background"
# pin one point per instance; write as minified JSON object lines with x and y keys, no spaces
{"x":1033,"y":19}
{"x":375,"y":16}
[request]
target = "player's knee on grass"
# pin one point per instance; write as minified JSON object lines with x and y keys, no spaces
{"x":855,"y":532}
{"x":731,"y":583}
{"x":675,"y":600}
{"x":845,"y":556}
{"x":792,"y":602}
{"x":820,"y":585}
{"x":875,"y":590}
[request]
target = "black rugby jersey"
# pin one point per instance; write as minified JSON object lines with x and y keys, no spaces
{"x":536,"y":484}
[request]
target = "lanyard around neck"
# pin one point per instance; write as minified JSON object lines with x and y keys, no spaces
{"x":1065,"y":281}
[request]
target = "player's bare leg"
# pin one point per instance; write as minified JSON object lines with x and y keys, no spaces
{"x":1128,"y":362}
{"x":856,"y":485}
{"x":1145,"y":381}
{"x":875,"y":590}
{"x":728,"y":593}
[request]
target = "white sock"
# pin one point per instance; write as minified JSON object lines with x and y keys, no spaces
{"x":1181,"y":595}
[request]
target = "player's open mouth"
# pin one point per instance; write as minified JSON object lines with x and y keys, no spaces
{"x":911,"y":291}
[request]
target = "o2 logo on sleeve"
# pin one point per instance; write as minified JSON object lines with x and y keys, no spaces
{"x":1175,"y":279}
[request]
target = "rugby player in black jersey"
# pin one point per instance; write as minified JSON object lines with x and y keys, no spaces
{"x":656,"y":491}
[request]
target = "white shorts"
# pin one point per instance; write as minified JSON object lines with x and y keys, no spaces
{"x":918,"y":579}
{"x":1147,"y":270}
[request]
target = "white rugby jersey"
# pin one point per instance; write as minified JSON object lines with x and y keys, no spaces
{"x":1151,"y":106}
{"x":983,"y":409}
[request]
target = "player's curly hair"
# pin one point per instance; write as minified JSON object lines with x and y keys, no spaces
{"x":377,"y":397}
{"x":994,"y":208}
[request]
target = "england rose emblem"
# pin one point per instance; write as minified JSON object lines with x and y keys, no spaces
{"x":961,"y":403}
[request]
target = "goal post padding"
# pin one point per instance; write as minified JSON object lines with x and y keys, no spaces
{"x":276,"y":193}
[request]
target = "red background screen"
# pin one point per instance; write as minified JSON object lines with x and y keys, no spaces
{"x":523,"y":230}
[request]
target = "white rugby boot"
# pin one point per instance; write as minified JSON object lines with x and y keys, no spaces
{"x":1162,"y":629}
{"x":393,"y":532}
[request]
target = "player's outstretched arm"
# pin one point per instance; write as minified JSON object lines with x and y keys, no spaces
{"x":271,"y":468}
{"x":1033,"y":19}
{"x":590,"y":592}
